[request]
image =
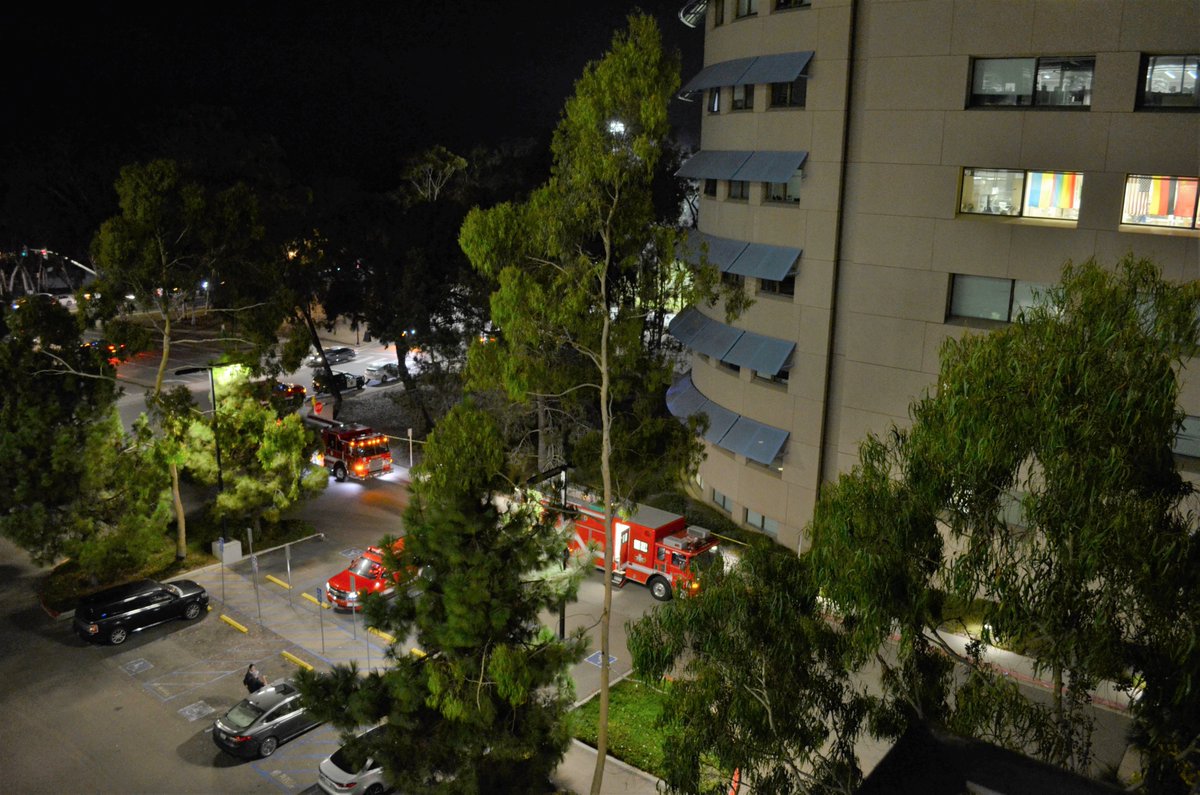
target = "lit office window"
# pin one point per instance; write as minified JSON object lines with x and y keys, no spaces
{"x":1160,"y":201}
{"x":1032,"y":194}
{"x":1052,"y":194}
{"x":1169,"y":82}
{"x":992,"y":191}
{"x":1032,"y":82}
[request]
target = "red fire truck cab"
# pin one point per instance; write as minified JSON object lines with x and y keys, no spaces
{"x":354,"y":451}
{"x":366,"y":574}
{"x":653,"y":547}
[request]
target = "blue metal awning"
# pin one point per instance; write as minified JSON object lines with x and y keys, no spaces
{"x":762,"y":354}
{"x":722,"y":251}
{"x":686,"y":325}
{"x":761,"y":261}
{"x":726,"y":429}
{"x":769,"y":166}
{"x":725,"y":73}
{"x":713,"y":164}
{"x":782,"y":68}
{"x":753,"y":439}
{"x":715,"y":339}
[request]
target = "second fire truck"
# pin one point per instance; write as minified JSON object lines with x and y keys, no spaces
{"x":653,"y":547}
{"x":354,"y":451}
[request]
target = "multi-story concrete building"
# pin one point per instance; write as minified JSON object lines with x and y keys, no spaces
{"x":884,"y":174}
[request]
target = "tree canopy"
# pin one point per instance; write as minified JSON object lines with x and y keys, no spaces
{"x":482,"y":708}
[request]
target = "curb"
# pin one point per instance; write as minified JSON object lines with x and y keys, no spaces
{"x":624,"y":766}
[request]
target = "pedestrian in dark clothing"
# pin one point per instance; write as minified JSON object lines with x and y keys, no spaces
{"x":253,"y":680}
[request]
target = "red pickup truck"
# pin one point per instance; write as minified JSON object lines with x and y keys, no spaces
{"x":366,"y":574}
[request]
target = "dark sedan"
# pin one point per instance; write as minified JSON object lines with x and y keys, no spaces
{"x":112,"y":614}
{"x":257,"y":725}
{"x":332,"y":355}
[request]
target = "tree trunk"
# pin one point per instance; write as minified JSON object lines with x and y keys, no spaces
{"x":543,"y":450}
{"x":606,"y":475}
{"x":180,"y":519}
{"x":166,"y":353}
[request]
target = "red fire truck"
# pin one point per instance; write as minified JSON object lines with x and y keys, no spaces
{"x":654,"y":547}
{"x":365,"y":574}
{"x":354,"y":451}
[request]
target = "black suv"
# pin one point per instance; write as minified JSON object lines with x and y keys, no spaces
{"x":323,"y":381}
{"x":112,"y":614}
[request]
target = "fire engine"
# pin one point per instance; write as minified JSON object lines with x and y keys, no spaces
{"x":366,"y":574}
{"x":354,"y":451}
{"x":653,"y":547}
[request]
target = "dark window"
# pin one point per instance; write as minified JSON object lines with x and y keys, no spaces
{"x":790,"y":95}
{"x":1026,"y":82}
{"x":1169,"y":82}
{"x":989,"y":298}
{"x":786,"y":192}
{"x":718,"y":12}
{"x":743,"y":97}
{"x":783,"y":5}
{"x":785,"y":286}
{"x":739,"y":189}
{"x":746,"y":8}
{"x":733,"y":279}
{"x":710,"y":187}
{"x":714,"y":100}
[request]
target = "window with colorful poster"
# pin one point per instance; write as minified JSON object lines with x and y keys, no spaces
{"x":1160,"y":201}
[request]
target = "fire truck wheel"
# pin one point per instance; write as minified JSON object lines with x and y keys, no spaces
{"x":660,"y":589}
{"x":339,"y":473}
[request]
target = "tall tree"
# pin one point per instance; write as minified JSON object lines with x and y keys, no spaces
{"x":171,"y":234}
{"x":483,"y":708}
{"x":758,"y":681}
{"x":264,"y":457}
{"x":581,"y":264}
{"x":1040,"y":477}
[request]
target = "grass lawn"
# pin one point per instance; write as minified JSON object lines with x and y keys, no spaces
{"x":633,"y":735}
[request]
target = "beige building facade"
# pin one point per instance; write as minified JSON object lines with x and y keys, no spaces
{"x":884,"y":174}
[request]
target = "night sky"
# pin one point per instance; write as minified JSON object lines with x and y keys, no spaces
{"x":346,"y":90}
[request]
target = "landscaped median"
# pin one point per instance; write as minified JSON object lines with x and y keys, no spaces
{"x":634,"y":735}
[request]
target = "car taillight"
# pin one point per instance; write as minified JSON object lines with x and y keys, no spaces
{"x":238,"y":738}
{"x":347,"y":785}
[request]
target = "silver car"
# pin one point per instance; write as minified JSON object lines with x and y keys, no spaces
{"x":347,"y":773}
{"x":389,"y":371}
{"x":256,"y":726}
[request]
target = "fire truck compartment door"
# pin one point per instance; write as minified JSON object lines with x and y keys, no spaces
{"x":622,"y":542}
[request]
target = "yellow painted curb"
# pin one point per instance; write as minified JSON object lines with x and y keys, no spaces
{"x":296,"y":660}
{"x":417,"y":652}
{"x":315,"y":601}
{"x":278,"y":582}
{"x":381,"y":634}
{"x":233,"y":623}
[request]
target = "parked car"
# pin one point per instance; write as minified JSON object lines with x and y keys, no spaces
{"x":389,"y":371}
{"x":332,"y":355}
{"x":365,"y":574}
{"x":256,"y":725}
{"x":323,"y":382}
{"x":352,"y":771}
{"x":283,"y":396}
{"x":112,"y":614}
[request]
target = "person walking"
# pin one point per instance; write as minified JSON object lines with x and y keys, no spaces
{"x":253,"y":680}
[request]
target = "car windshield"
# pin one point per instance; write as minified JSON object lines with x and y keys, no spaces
{"x":352,"y":758}
{"x":242,"y":716}
{"x":365,"y":567}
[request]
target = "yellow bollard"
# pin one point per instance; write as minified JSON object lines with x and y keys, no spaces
{"x":315,"y":601}
{"x":382,"y":634}
{"x":278,"y":582}
{"x":233,"y":623}
{"x":295,"y":660}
